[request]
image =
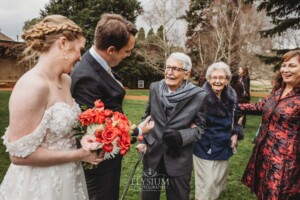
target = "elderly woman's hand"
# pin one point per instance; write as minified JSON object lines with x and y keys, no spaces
{"x":234,"y":139}
{"x":141,"y":148}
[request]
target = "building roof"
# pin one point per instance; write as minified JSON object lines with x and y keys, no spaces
{"x":5,"y":38}
{"x":9,"y":47}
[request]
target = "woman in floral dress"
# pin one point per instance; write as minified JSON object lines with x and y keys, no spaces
{"x":273,"y":171}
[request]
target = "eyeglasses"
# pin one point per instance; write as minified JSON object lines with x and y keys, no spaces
{"x":174,"y":69}
{"x":221,"y":78}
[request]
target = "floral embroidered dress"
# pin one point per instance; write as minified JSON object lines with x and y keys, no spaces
{"x":64,"y":181}
{"x":273,"y":171}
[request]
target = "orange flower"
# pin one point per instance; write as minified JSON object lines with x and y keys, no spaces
{"x":123,"y":127}
{"x":140,"y":137}
{"x":87,"y":117}
{"x":119,"y":116}
{"x":108,"y":147}
{"x":108,"y":113}
{"x":109,"y":135}
{"x":108,"y":121}
{"x":99,"y":104}
{"x":99,"y":116}
{"x":105,"y":127}
{"x":124,"y":143}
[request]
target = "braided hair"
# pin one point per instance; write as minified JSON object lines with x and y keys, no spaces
{"x":40,"y":37}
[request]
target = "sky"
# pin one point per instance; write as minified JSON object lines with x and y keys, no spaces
{"x":13,"y":14}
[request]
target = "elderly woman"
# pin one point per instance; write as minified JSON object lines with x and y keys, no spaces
{"x":217,"y":145}
{"x":273,"y":171}
{"x":174,"y":105}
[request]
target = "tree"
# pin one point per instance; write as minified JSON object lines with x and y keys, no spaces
{"x":87,"y":13}
{"x":150,"y":33}
{"x":214,"y":32}
{"x":160,"y":32}
{"x":141,"y":34}
{"x":285,"y":16}
{"x":161,"y":17}
{"x":223,"y":30}
{"x":30,"y":23}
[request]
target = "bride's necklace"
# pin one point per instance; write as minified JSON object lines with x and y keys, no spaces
{"x":58,"y":86}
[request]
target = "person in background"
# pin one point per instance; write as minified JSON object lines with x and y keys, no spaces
{"x":93,"y":79}
{"x":243,"y":93}
{"x":273,"y":171}
{"x":174,"y":105}
{"x":219,"y":141}
{"x":239,"y":89}
{"x":45,"y":160}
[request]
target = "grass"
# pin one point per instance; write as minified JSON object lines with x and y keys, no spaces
{"x":137,"y":92}
{"x":4,"y":159}
{"x":134,"y":110}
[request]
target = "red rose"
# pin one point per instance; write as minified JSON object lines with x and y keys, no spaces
{"x":98,"y":133}
{"x":109,"y":135}
{"x":108,"y":147}
{"x":123,"y":127}
{"x":99,"y":116}
{"x":99,"y":104}
{"x":124,"y":143}
{"x":108,"y":121}
{"x":120,"y":116}
{"x":87,"y":117}
{"x":140,"y":138}
{"x":108,"y":113}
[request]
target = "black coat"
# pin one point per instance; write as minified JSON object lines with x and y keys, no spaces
{"x":90,"y":81}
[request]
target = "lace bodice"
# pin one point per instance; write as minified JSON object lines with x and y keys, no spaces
{"x":55,"y":131}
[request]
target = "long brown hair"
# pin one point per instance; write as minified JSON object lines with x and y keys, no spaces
{"x":245,"y":71}
{"x":278,"y":80}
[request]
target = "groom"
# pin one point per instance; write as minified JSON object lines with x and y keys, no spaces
{"x":93,"y":79}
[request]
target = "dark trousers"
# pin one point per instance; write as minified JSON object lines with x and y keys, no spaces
{"x":103,"y":182}
{"x":177,"y":188}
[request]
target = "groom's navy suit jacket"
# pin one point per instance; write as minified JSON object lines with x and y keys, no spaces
{"x":90,"y":81}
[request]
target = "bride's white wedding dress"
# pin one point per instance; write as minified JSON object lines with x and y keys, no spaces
{"x":58,"y":182}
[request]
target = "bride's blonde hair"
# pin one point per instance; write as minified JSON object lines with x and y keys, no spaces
{"x":40,"y":37}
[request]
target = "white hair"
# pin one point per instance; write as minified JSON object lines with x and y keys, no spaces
{"x":184,"y":59}
{"x":216,"y":66}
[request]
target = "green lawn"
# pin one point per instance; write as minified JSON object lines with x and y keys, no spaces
{"x":137,"y":92}
{"x":134,"y":110}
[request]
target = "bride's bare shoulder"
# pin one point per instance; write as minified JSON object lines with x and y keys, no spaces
{"x":31,"y":83}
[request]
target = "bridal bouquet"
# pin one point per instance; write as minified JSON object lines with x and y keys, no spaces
{"x":105,"y":130}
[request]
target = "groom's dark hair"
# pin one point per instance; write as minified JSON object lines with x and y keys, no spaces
{"x":113,"y":30}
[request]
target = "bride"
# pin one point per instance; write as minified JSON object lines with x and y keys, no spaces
{"x":45,"y":163}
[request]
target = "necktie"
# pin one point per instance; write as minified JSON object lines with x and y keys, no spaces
{"x":112,"y":75}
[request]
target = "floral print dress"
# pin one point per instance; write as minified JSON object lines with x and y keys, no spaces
{"x":273,"y":171}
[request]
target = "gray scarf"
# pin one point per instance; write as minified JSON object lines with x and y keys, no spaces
{"x":185,"y":91}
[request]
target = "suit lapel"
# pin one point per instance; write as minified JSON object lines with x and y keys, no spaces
{"x":102,"y":73}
